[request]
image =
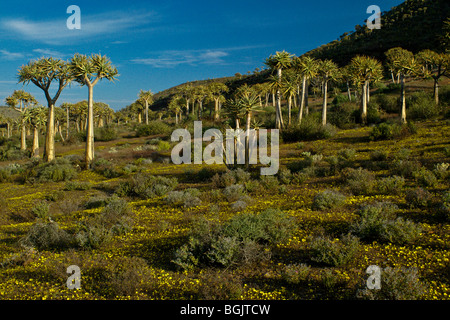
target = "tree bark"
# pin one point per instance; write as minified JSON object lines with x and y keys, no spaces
{"x":146,"y":112}
{"x":35,"y":147}
{"x":324,"y":106}
{"x":436,"y":91}
{"x":23,"y":137}
{"x":302,"y":102}
{"x":364,"y":104}
{"x":49,"y":148}
{"x":89,"y":156}
{"x":403,"y":98}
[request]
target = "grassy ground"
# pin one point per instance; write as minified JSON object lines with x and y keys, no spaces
{"x":137,"y":264}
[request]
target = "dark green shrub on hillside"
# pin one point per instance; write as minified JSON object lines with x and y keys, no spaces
{"x":387,"y":103}
{"x":418,"y":198}
{"x":153,"y":128}
{"x":344,"y":115}
{"x":146,"y":186}
{"x":421,"y":105}
{"x":105,"y":134}
{"x":388,"y":131}
{"x":328,"y":199}
{"x":59,"y":169}
{"x":47,"y":235}
{"x":335,"y":252}
{"x":378,"y":222}
{"x":309,"y":129}
{"x":360,"y":181}
{"x":242,"y":240}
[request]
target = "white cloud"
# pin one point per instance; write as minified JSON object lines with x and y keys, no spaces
{"x":56,"y":31}
{"x":173,"y":58}
{"x":7,"y":55}
{"x":49,"y":53}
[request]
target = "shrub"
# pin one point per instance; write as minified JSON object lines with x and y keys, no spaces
{"x":309,"y":129}
{"x":379,"y":222}
{"x":396,"y":284}
{"x":379,"y":155}
{"x":163,"y":145}
{"x":57,"y":170}
{"x":388,"y":131}
{"x":187,"y":198}
{"x":425,"y":177}
{"x":336,"y":252}
{"x":47,"y":235}
{"x":41,"y":210}
{"x":296,"y":273}
{"x":105,"y":168}
{"x":405,"y":168}
{"x":239,"y":241}
{"x":105,"y":134}
{"x":78,"y":185}
{"x":347,"y":154}
{"x":390,"y":185}
{"x":153,"y":128}
{"x":146,"y":186}
{"x":5,"y":175}
{"x":441,"y":170}
{"x":343,"y":115}
{"x":328,"y":199}
{"x":421,"y":106}
{"x":114,"y":219}
{"x":270,"y":226}
{"x":360,"y":181}
{"x":234,"y":192}
{"x":230,"y":177}
{"x":270,"y":183}
{"x":387,"y":103}
{"x":418,"y":198}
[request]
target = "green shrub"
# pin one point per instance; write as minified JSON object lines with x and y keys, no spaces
{"x":388,"y":131}
{"x":239,"y":241}
{"x":390,"y":185}
{"x":41,"y":210}
{"x":269,"y":226}
{"x":269,"y":183}
{"x":105,"y":168}
{"x":230,"y":177}
{"x":5,"y":175}
{"x":379,"y":155}
{"x":343,"y":115}
{"x":421,"y":105}
{"x":418,"y":198}
{"x":187,"y":198}
{"x":153,"y":128}
{"x":387,"y":103}
{"x":105,"y":134}
{"x":405,"y":168}
{"x":47,"y":235}
{"x":163,"y":145}
{"x":360,"y":181}
{"x":116,"y":218}
{"x":309,"y":129}
{"x":328,"y":199}
{"x":296,"y":273}
{"x":441,"y":170}
{"x":425,"y":177}
{"x":234,"y":192}
{"x":396,"y":284}
{"x":335,"y":252}
{"x":57,"y":170}
{"x":378,"y":222}
{"x":146,"y":186}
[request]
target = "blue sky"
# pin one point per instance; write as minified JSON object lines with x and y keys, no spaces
{"x":159,"y":44}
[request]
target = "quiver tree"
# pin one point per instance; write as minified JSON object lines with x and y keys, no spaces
{"x":403,"y":63}
{"x":278,"y":62}
{"x":327,"y":70}
{"x":147,"y":98}
{"x":88,"y":71}
{"x":42,"y":73}
{"x":364,"y":70}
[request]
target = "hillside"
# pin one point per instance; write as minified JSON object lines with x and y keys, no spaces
{"x":413,"y":25}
